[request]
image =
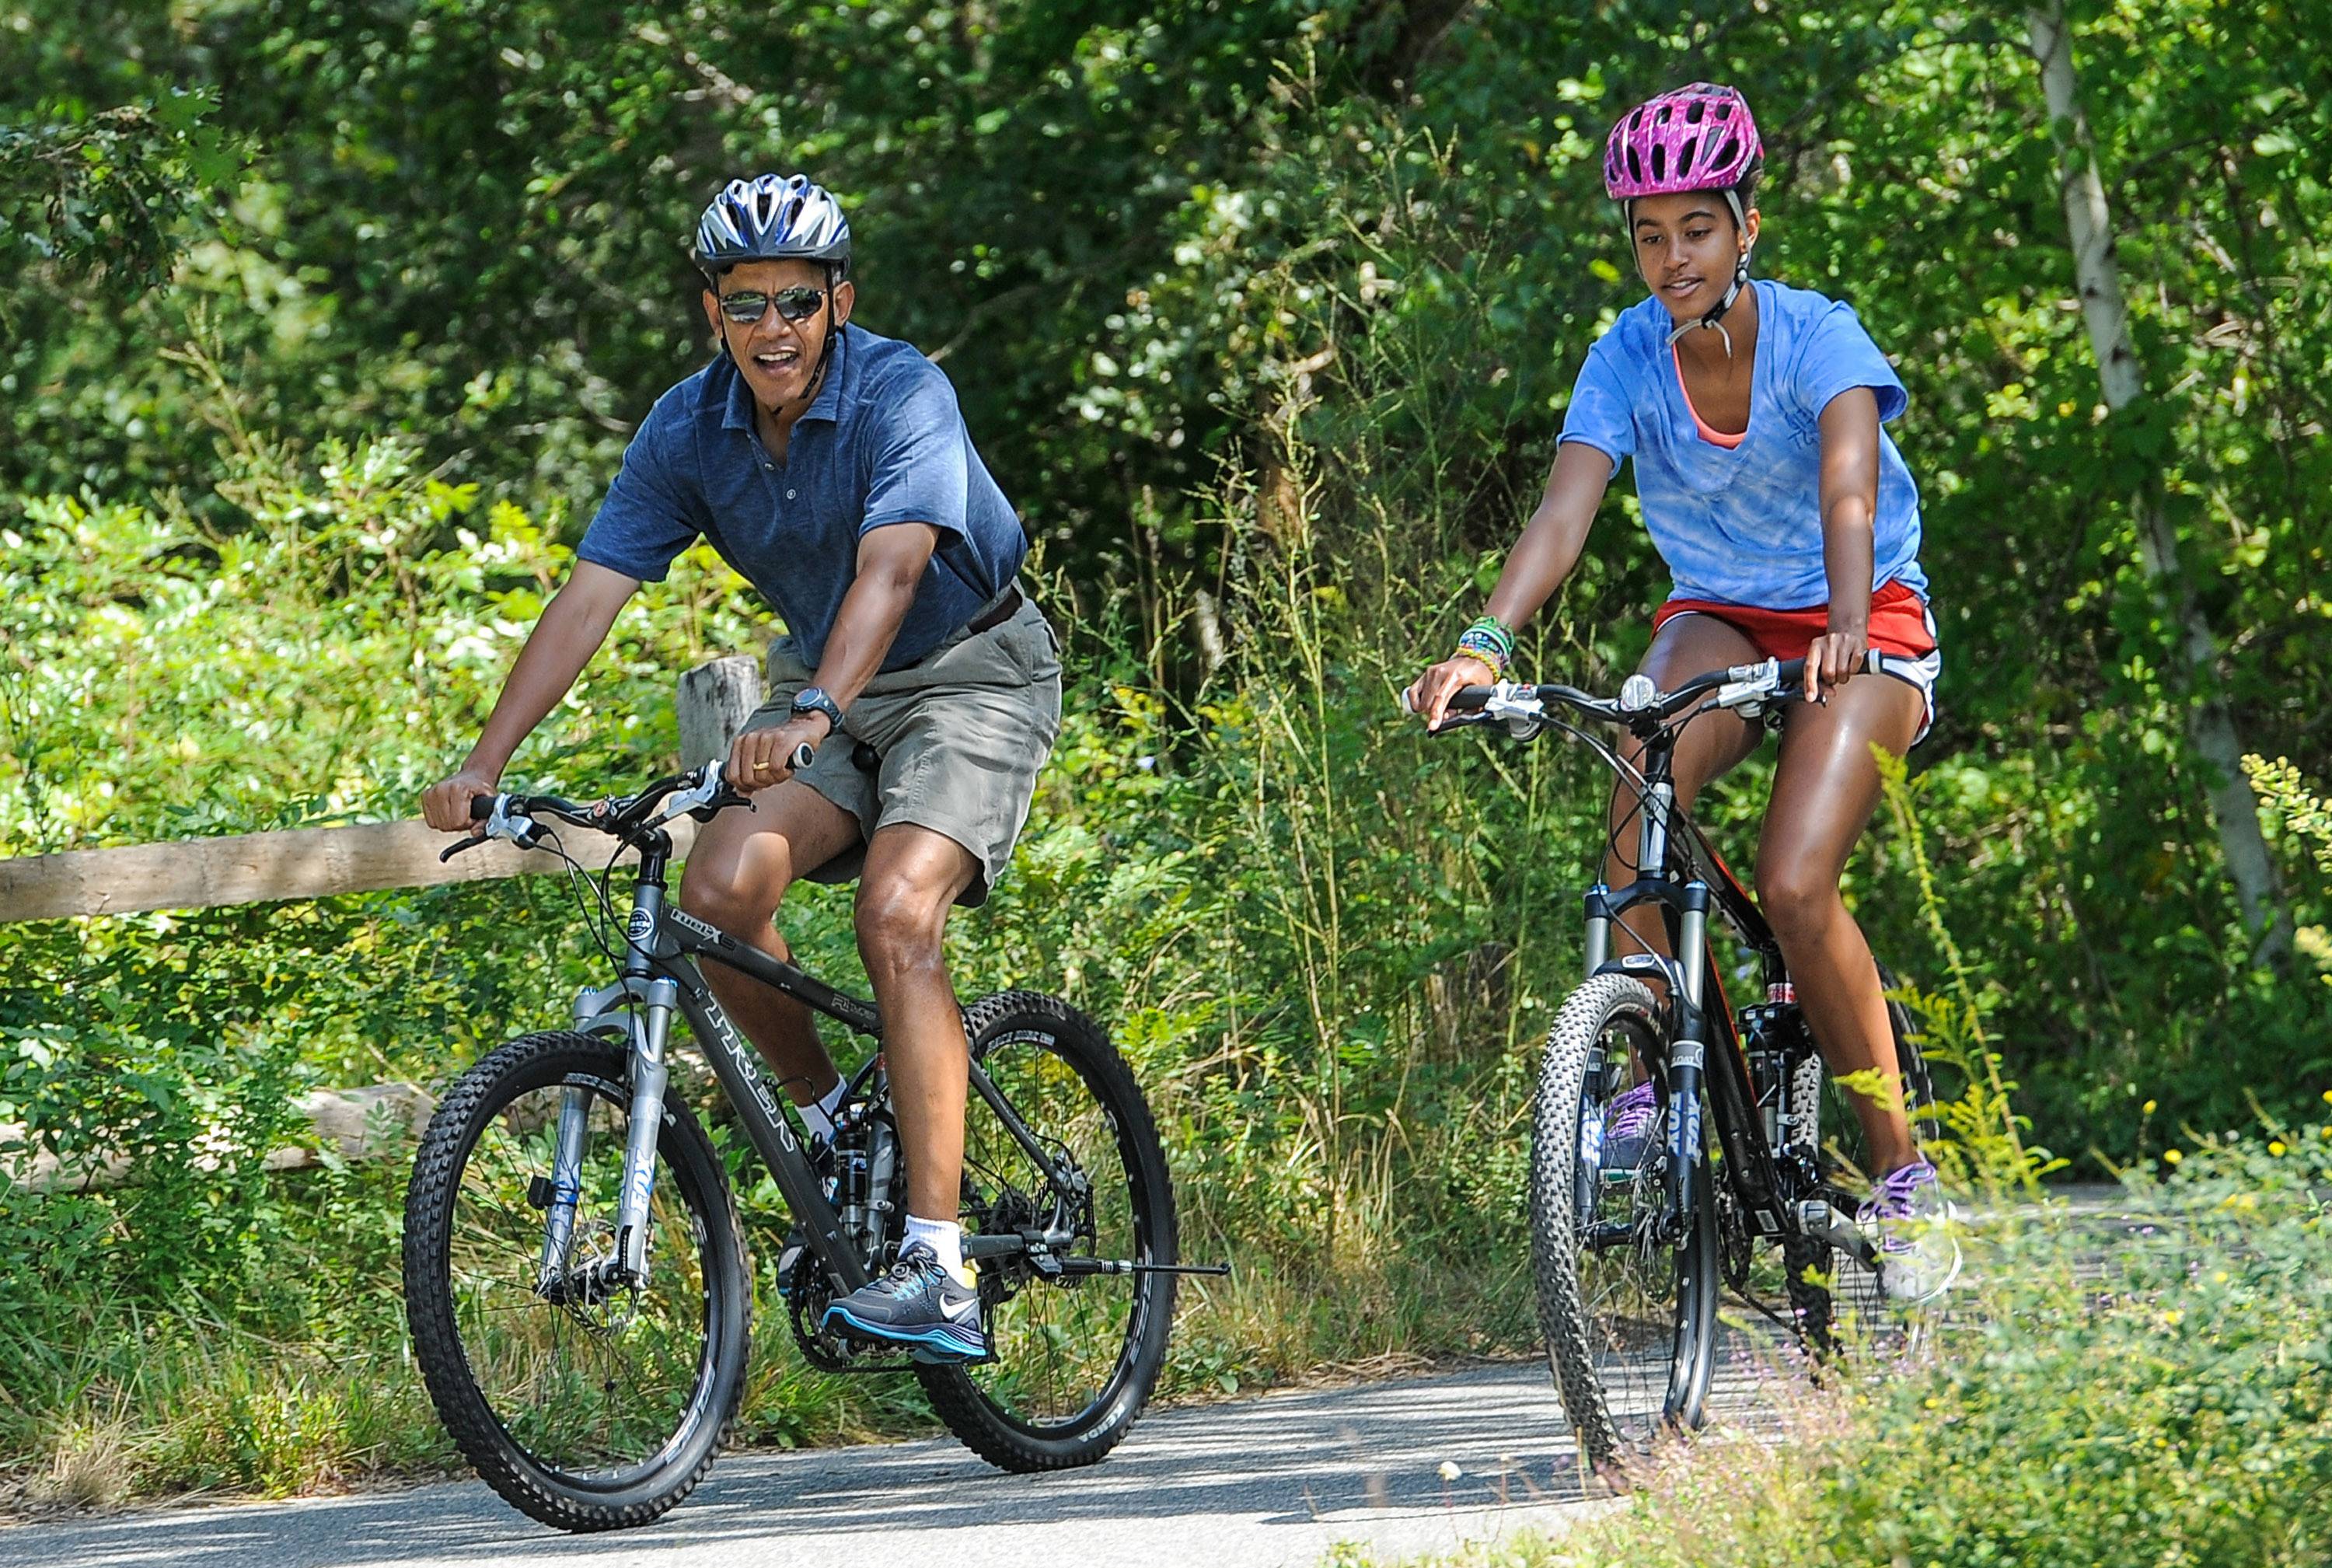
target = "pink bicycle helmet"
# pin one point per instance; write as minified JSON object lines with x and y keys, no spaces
{"x":1697,"y":138}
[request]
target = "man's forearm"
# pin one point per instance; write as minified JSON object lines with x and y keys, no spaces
{"x":573,"y":626}
{"x":864,"y":630}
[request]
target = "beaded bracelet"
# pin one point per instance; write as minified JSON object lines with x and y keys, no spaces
{"x":1488,"y":653}
{"x":1488,"y":640}
{"x":1492,"y":627}
{"x":1497,"y":666}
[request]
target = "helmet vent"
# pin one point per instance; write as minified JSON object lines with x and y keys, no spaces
{"x":1684,"y":154}
{"x":1692,"y":114}
{"x":1659,"y":162}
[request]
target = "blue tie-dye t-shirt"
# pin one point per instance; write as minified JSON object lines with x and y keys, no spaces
{"x":1744,"y":526}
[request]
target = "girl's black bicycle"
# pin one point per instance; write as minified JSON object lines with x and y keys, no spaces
{"x":1629,"y":1259}
{"x":575,"y":1276}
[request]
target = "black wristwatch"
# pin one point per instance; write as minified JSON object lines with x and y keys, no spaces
{"x":814,"y":700}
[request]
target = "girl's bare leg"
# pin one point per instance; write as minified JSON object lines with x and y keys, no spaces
{"x":1824,"y":792}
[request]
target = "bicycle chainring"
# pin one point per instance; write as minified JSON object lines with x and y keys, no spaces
{"x":807,"y":1296}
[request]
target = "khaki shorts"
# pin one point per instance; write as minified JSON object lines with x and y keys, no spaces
{"x":960,"y":737}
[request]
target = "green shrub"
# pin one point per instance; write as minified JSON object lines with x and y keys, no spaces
{"x":2147,"y":1388}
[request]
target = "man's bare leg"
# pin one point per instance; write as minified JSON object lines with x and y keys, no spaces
{"x":736,"y":875}
{"x":913,"y":877}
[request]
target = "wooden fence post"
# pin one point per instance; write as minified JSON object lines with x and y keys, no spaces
{"x":716,"y":698}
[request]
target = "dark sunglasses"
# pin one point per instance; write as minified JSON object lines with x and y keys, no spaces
{"x":747,"y":306}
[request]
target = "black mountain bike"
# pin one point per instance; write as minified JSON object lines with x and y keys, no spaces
{"x":575,"y":1277}
{"x":1629,"y":1263}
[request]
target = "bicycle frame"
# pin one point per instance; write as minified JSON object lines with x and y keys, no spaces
{"x":1679,"y":871}
{"x":659,"y":977}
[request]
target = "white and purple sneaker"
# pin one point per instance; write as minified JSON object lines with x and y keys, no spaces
{"x":1630,"y":1124}
{"x":1911,"y":1220}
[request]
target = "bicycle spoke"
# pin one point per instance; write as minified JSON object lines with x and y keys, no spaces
{"x":1056,"y":1343}
{"x":585,"y":1387}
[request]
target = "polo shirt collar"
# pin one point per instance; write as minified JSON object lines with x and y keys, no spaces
{"x":827,"y":406}
{"x":828,"y":403}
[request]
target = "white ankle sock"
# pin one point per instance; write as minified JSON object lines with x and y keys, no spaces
{"x":818,"y":1114}
{"x":943,"y":1237}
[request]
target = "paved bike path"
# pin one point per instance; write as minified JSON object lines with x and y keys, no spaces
{"x":1256,"y":1483}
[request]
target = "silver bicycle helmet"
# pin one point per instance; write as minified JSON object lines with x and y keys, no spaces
{"x":772,"y":217}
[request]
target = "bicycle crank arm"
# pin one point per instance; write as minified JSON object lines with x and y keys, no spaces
{"x":1075,"y":1266}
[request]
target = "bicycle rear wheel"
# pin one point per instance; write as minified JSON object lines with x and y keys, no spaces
{"x":1072,"y":1358}
{"x":1826,"y":1288}
{"x":1630,"y":1318}
{"x":586,"y":1404}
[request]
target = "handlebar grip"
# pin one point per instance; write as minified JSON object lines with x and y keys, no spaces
{"x":804,"y":754}
{"x":1793,"y":672}
{"x":481,"y":807}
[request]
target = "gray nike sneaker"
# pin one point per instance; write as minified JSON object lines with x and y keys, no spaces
{"x":1910,"y":1218}
{"x":918,"y":1304}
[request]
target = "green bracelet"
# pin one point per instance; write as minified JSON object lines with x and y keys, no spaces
{"x":1491,"y":630}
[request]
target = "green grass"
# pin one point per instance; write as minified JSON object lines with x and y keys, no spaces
{"x":2158,"y":1397}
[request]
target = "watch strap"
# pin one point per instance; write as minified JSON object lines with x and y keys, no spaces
{"x":814,"y":700}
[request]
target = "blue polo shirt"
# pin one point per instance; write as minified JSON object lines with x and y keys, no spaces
{"x":883,"y":442}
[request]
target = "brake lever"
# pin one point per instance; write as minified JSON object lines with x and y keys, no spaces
{"x":501,"y":823}
{"x":1517,"y":707}
{"x":709,"y":786}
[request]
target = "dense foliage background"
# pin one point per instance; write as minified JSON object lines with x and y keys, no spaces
{"x":325,"y":323}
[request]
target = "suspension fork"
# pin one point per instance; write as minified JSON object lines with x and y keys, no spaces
{"x":1688,"y":1062}
{"x":660,"y":997}
{"x":565,"y":1185}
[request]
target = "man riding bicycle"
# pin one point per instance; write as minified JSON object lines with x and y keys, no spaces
{"x":831,"y":468}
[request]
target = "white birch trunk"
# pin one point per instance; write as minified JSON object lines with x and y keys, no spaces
{"x":2210,"y":726}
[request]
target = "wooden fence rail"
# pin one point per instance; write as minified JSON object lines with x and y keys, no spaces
{"x":368,"y":1122}
{"x":319,"y":862}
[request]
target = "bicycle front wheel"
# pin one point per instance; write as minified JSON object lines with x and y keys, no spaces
{"x":587,"y":1400}
{"x":1072,"y":1356}
{"x":1628,"y":1312}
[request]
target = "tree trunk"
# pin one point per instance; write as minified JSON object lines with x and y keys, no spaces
{"x":2209,"y":725}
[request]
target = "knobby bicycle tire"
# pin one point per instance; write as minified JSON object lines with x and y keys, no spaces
{"x":690,"y":1173}
{"x":1817,"y":1276}
{"x":974,"y":1401}
{"x":1578,"y":1344}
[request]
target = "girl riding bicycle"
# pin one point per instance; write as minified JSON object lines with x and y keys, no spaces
{"x":1790,"y":526}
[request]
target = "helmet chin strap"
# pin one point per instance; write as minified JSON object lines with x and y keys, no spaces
{"x":1714,"y":319}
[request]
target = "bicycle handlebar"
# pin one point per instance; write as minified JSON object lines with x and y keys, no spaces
{"x":1738,"y":686}
{"x":702,"y":792}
